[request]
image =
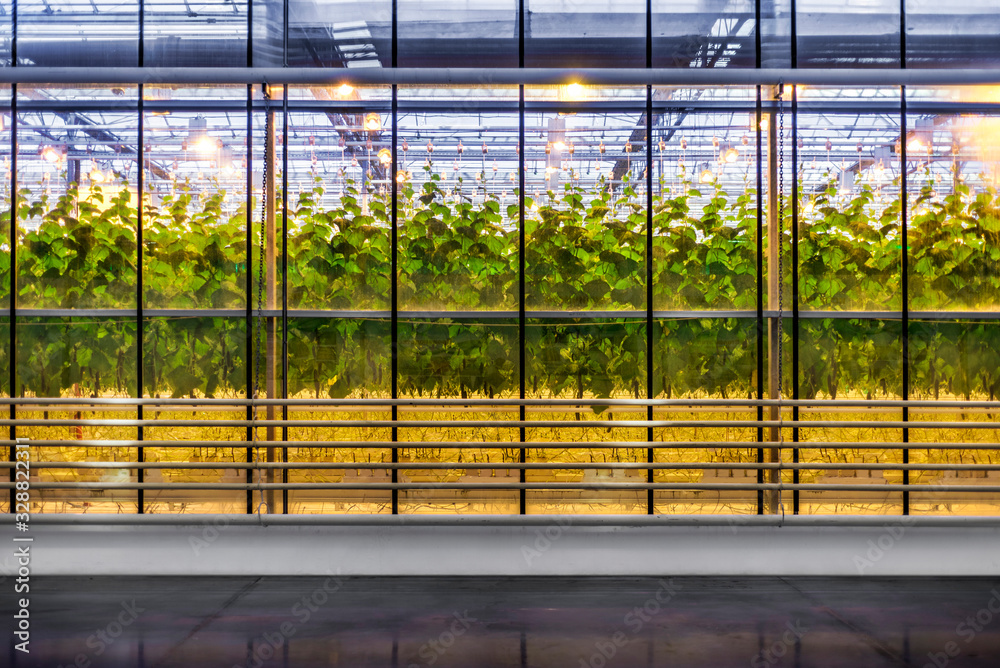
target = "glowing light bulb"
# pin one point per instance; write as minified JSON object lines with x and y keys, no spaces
{"x":574,"y":91}
{"x":559,"y":145}
{"x":706,"y":176}
{"x":49,"y":154}
{"x":206,"y":145}
{"x":732,"y":155}
{"x":96,"y":175}
{"x":385,"y":156}
{"x":373,"y":122}
{"x":345,"y":90}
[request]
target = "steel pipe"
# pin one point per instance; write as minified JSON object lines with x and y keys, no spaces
{"x":492,"y":77}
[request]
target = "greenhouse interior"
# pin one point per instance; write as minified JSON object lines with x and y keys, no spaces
{"x":464,"y":295}
{"x":500,"y":333}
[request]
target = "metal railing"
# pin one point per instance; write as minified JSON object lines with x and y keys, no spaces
{"x":555,"y":458}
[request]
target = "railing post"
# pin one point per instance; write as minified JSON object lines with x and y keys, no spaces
{"x":772,"y":455}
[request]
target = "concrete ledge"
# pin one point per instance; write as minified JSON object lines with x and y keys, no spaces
{"x":737,"y":546}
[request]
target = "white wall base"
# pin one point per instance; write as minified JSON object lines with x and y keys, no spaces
{"x":217,"y":545}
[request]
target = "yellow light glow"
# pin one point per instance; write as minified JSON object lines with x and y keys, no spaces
{"x":402,"y":176}
{"x":559,"y":145}
{"x":732,"y":155}
{"x":574,"y":91}
{"x":914,"y":144}
{"x":706,"y":176}
{"x":385,"y":156}
{"x":373,"y":122}
{"x":49,"y":154}
{"x":345,"y":90}
{"x":206,"y":145}
{"x":96,"y":175}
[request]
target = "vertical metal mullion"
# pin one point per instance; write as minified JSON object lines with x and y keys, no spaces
{"x":13,"y":42}
{"x":12,"y":287}
{"x":250,"y":38}
{"x":760,"y":294}
{"x":905,"y":287}
{"x":795,"y":289}
{"x":139,"y":325}
{"x":794,"y":35}
{"x":249,"y":341}
{"x":757,"y":43}
{"x":142,"y":38}
{"x":650,"y":494}
{"x":521,"y":290}
{"x":521,"y":285}
{"x":284,"y":40}
{"x":284,"y":286}
{"x":394,"y":306}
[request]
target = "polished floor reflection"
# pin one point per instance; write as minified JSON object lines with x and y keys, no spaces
{"x":485,"y":622}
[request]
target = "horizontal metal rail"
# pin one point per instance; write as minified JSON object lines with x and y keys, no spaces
{"x":378,"y":402}
{"x":492,"y":77}
{"x":954,"y":472}
{"x":530,"y":315}
{"x":503,"y":424}
{"x":532,"y":445}
{"x":539,"y":486}
{"x":541,"y":520}
{"x":500,"y":466}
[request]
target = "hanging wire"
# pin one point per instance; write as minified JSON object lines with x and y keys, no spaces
{"x":781,"y":280}
{"x":259,"y":337}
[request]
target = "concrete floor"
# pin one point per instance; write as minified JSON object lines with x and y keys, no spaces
{"x":485,"y":622}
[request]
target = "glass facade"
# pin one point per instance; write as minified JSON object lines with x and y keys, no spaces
{"x":501,"y":299}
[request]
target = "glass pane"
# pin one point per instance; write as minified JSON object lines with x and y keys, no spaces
{"x":340,"y":33}
{"x":577,"y":358}
{"x":78,"y":357}
{"x":849,"y":213}
{"x":77,"y":33}
{"x":458,"y":239}
{"x":966,"y":35}
{"x":955,"y":360}
{"x":335,"y":358}
{"x":698,"y":34}
{"x":339,"y":211}
{"x":585,"y":212}
{"x":714,"y":358}
{"x":705,"y":212}
{"x":440,"y":33}
{"x":954,"y":231}
{"x":194,"y":226}
{"x":195,"y":357}
{"x":211,"y":33}
{"x":850,"y":359}
{"x":585,"y":33}
{"x":78,"y":176}
{"x":848,"y":33}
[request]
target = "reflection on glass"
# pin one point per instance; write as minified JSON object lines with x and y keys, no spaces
{"x":972,"y":31}
{"x":341,"y":33}
{"x":440,"y":33}
{"x":848,"y":34}
{"x":210,"y":33}
{"x":597,"y":33}
{"x":705,"y":34}
{"x":77,"y":33}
